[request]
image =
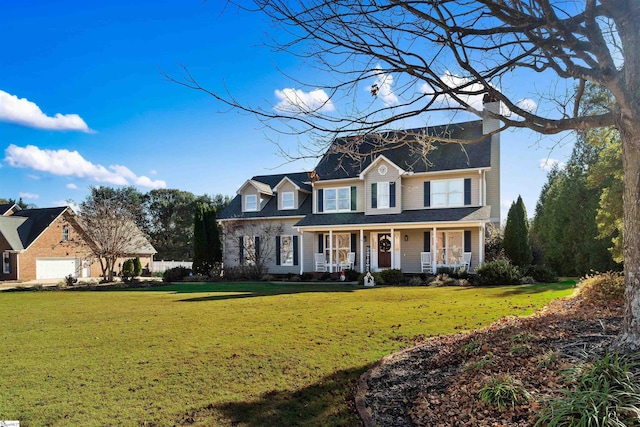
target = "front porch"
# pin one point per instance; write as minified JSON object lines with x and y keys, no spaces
{"x":397,"y":247}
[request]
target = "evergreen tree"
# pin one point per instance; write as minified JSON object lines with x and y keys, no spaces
{"x":516,"y":235}
{"x":207,"y":246}
{"x":201,"y":255}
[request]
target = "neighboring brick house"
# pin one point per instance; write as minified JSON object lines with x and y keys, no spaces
{"x":49,"y":243}
{"x":388,"y":208}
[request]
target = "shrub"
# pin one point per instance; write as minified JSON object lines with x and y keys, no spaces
{"x":603,"y":287}
{"x":540,"y":273}
{"x":128,"y":270}
{"x":416,"y":281}
{"x":307,"y":277}
{"x":216,"y":271}
{"x":176,"y":274}
{"x":376,"y":276}
{"x":351,"y":275}
{"x":443,"y":279}
{"x":504,"y":392}
{"x":604,"y":392}
{"x":137,"y":267}
{"x":392,"y":276}
{"x":70,"y":280}
{"x":527,"y":280}
{"x":499,"y":272}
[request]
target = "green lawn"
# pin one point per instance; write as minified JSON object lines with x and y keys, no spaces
{"x":221,"y":354}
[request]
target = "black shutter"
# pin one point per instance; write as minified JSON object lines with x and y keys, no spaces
{"x":354,"y":246}
{"x":320,"y":200}
{"x":427,"y":193}
{"x":354,"y":200}
{"x":427,"y":241}
{"x":467,"y":191}
{"x":277,"y":250}
{"x":374,"y":196}
{"x":241,"y":248}
{"x":320,"y":243}
{"x":257,"y":247}
{"x":295,"y":250}
{"x":467,"y":240}
{"x":392,"y":194}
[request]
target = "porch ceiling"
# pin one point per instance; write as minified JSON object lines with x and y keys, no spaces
{"x":423,"y":217}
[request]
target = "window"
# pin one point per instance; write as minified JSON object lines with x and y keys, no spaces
{"x":383,"y":195}
{"x":337,"y":199}
{"x":448,"y":192}
{"x":286,"y":250}
{"x":248,"y":250}
{"x":6,"y":262}
{"x":449,"y":247}
{"x":251,"y":202}
{"x":65,"y":233}
{"x":288,"y":200}
{"x":341,"y":247}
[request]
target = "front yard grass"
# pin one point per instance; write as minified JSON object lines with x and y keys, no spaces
{"x":221,"y":354}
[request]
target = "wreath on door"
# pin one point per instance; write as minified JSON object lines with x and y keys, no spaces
{"x":385,"y":244}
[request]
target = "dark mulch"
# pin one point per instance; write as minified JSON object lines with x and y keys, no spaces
{"x":437,"y":383}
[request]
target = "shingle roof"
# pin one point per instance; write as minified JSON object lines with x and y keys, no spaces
{"x":24,"y":226}
{"x":445,"y":155}
{"x":5,"y":207}
{"x":469,"y":214}
{"x":234,"y":209}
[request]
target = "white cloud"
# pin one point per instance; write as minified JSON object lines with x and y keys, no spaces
{"x":33,"y":177}
{"x":297,"y":101}
{"x":28,"y":195}
{"x":70,"y":203}
{"x":527,"y":104}
{"x":153,"y":172}
{"x":72,"y":186}
{"x":453,"y":81}
{"x":547,"y":164}
{"x":382,"y":87}
{"x":71,"y":163}
{"x":23,"y":112}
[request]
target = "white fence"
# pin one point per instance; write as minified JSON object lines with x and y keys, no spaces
{"x":162,"y":266}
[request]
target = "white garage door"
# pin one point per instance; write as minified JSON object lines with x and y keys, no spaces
{"x":56,"y":268}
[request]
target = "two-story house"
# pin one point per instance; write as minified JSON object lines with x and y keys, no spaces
{"x":388,"y":205}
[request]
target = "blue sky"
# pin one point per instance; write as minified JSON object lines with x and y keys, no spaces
{"x":83,"y":102}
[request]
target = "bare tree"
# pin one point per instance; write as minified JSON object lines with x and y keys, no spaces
{"x":253,"y":244}
{"x":108,"y":220}
{"x":446,"y":54}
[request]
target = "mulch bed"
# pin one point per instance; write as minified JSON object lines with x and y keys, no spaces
{"x":437,"y":383}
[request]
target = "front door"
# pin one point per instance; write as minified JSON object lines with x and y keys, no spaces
{"x":384,"y":251}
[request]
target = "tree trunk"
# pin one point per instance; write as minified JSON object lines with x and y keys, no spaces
{"x":629,"y":338}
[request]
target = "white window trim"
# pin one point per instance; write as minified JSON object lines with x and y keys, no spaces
{"x":282,"y":260}
{"x":337,"y":190}
{"x":293,"y":200}
{"x":246,"y":202}
{"x":380,"y":195}
{"x":447,"y":204}
{"x":6,"y":266}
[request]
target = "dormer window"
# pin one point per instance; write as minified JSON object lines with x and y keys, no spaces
{"x":65,"y":233}
{"x":251,"y":202}
{"x":288,"y":200}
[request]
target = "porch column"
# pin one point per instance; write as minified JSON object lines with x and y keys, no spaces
{"x":393,"y":248}
{"x":301,"y":260}
{"x":434,"y":251}
{"x":330,"y":251}
{"x":361,"y":250}
{"x":481,"y":245}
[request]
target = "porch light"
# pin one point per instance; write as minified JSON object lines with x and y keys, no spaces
{"x":406,"y":237}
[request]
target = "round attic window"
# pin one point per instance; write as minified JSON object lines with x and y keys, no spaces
{"x":382,"y":169}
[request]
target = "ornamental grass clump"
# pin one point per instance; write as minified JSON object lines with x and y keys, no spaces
{"x":602,"y":287}
{"x":504,"y":392}
{"x":604,"y":392}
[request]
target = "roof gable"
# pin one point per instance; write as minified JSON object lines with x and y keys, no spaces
{"x":406,"y":152}
{"x":379,"y":159}
{"x":25,"y":226}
